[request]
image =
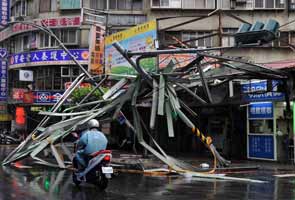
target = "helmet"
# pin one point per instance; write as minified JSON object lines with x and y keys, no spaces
{"x":93,"y":123}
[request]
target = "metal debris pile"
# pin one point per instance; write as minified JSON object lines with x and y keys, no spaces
{"x":161,"y":88}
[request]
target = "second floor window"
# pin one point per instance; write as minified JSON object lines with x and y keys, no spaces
{"x":198,"y":4}
{"x":20,"y":8}
{"x":67,"y":36}
{"x":98,"y":4}
{"x":47,"y":6}
{"x":269,"y":4}
{"x":166,"y":3}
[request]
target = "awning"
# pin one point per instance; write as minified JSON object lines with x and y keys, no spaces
{"x":283,"y":64}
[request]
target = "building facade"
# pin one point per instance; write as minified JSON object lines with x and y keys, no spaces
{"x":38,"y":69}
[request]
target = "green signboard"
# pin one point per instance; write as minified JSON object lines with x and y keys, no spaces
{"x":294,"y":120}
{"x":70,"y":4}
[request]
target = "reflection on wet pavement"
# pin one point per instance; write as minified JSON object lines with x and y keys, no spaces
{"x":49,"y":183}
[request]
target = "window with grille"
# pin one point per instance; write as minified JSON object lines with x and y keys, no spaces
{"x":99,"y":4}
{"x":269,"y":4}
{"x":166,"y":3}
{"x":203,"y":41}
{"x":228,"y":39}
{"x":20,"y":8}
{"x":67,"y":37}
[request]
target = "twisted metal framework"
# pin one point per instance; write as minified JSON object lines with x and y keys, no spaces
{"x":162,"y":88}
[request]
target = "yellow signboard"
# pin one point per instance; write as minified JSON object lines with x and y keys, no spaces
{"x":96,"y":49}
{"x":123,"y":35}
{"x":5,"y":117}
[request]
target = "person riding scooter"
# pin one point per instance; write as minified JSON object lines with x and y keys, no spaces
{"x":90,"y":141}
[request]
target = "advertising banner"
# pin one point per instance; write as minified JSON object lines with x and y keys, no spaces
{"x":4,"y":12}
{"x":138,"y":38}
{"x":96,"y":49}
{"x":182,"y":60}
{"x":47,"y":97}
{"x":263,"y":110}
{"x":56,"y":22}
{"x":48,"y":57}
{"x":261,"y":146}
{"x":256,"y":91}
{"x":18,"y":94}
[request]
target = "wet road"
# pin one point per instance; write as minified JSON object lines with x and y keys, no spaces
{"x":56,"y":184}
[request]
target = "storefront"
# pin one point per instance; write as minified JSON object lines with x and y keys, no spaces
{"x":268,"y":128}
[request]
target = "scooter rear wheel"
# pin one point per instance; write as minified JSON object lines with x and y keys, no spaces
{"x":75,"y":180}
{"x":103,"y":182}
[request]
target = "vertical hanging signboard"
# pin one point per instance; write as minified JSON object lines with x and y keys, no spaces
{"x":3,"y":75}
{"x":96,"y":49}
{"x":261,"y":138}
{"x":4,"y":12}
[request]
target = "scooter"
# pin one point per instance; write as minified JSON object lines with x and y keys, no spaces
{"x":98,"y":170}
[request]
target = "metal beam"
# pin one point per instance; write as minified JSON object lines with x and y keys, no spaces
{"x":205,"y":84}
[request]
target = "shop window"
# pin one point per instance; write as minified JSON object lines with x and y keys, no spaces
{"x":292,"y":5}
{"x":65,"y":72}
{"x":45,"y":6}
{"x":75,"y":71}
{"x":261,"y":126}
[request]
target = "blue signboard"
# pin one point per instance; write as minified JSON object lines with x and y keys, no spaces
{"x":262,"y":110}
{"x":261,"y":146}
{"x":4,"y":12}
{"x":3,"y":74}
{"x":47,"y":97}
{"x":256,"y":91}
{"x":48,"y":57}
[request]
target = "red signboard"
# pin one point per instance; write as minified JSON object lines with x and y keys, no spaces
{"x":60,"y":22}
{"x":20,"y":116}
{"x":51,"y":22}
{"x":18,"y":94}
